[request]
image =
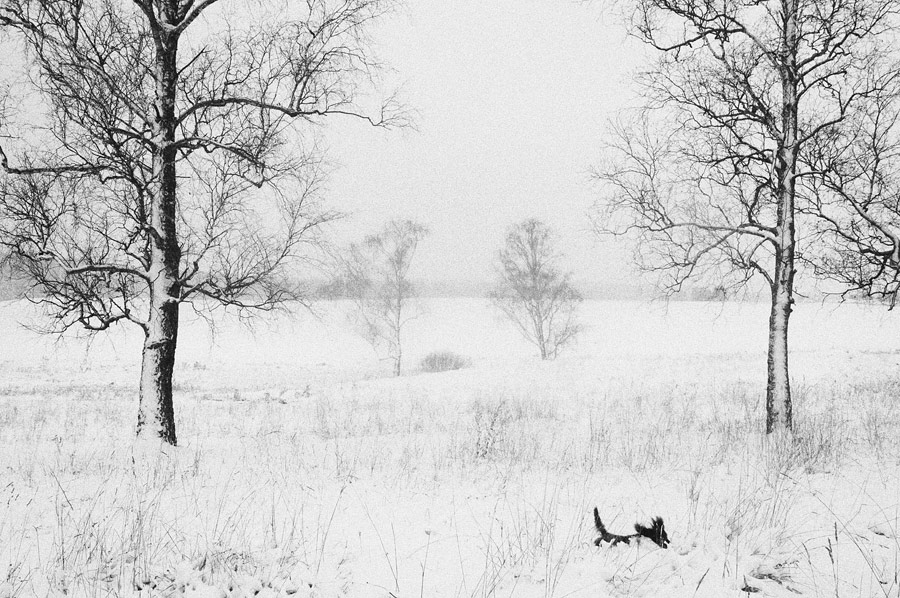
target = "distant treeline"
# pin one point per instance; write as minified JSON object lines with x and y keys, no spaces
{"x":14,"y":287}
{"x":11,"y":287}
{"x":337,"y":289}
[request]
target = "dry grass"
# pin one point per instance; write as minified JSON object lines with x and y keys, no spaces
{"x":256,"y":489}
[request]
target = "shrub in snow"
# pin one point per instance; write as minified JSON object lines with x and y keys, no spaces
{"x":443,"y":361}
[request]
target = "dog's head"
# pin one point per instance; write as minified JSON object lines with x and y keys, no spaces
{"x":656,"y":532}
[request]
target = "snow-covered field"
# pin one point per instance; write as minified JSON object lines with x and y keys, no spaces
{"x":305,"y":469}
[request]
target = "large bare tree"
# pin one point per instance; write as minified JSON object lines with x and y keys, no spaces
{"x":165,"y":160}
{"x":713,"y":176}
{"x":376,"y":277}
{"x":533,"y":293}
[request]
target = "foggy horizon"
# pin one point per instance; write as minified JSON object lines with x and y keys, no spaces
{"x":511,"y":103}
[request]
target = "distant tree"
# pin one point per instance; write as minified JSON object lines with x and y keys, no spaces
{"x":163,"y":164}
{"x":533,"y":293}
{"x":716,"y":177}
{"x":376,"y":277}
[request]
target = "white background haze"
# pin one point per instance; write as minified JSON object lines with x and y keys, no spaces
{"x":512,"y":99}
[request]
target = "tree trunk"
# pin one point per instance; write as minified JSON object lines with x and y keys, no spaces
{"x":398,"y":323}
{"x":398,"y":355}
{"x":778,"y":389}
{"x":156,"y":411}
{"x":537,"y":323}
{"x":156,"y":415}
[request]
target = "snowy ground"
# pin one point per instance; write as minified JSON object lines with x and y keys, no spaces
{"x":305,"y":469}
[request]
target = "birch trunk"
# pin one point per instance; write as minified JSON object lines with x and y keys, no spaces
{"x":156,"y":414}
{"x":156,"y":411}
{"x":778,"y":387}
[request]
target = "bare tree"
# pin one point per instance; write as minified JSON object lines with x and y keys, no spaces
{"x":533,"y":293}
{"x":376,"y":275}
{"x":713,"y":176}
{"x":166,"y":163}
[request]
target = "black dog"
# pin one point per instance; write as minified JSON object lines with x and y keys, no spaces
{"x":656,"y":532}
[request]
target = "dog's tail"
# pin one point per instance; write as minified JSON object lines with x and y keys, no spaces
{"x":599,"y":524}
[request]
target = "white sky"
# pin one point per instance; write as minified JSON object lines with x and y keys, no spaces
{"x":513,"y":97}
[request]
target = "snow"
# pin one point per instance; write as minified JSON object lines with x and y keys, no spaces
{"x":306,"y":470}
